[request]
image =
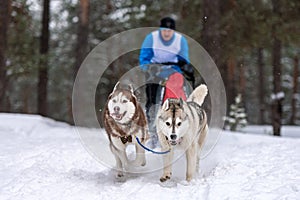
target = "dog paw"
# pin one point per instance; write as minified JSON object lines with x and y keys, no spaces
{"x":188,"y":182}
{"x":189,"y":177}
{"x":120,"y":177}
{"x":143,"y":163}
{"x":168,"y":184}
{"x":165,"y":178}
{"x":185,"y":183}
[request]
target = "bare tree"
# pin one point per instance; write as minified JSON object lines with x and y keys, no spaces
{"x":261,"y":84}
{"x":82,"y":34}
{"x":211,"y":38}
{"x":81,"y":49}
{"x":43,"y":65}
{"x":295,"y":89}
{"x":277,"y":95}
{"x":4,"y":21}
{"x":231,"y":86}
{"x":242,"y":78}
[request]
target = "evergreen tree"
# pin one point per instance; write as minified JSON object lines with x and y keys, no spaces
{"x":237,"y":118}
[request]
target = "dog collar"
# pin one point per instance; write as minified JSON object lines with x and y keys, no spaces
{"x":126,"y":139}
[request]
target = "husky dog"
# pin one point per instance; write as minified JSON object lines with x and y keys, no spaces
{"x":123,"y":120}
{"x":184,"y":125}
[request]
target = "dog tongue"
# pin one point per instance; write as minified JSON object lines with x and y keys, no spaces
{"x":117,"y":115}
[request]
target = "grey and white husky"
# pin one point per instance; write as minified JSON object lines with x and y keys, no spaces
{"x":124,"y":119}
{"x":182,"y":124}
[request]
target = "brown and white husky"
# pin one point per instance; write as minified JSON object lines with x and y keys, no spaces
{"x":124,"y":120}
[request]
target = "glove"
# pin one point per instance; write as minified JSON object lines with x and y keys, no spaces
{"x":188,"y":72}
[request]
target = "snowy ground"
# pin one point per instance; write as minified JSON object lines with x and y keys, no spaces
{"x":44,"y":159}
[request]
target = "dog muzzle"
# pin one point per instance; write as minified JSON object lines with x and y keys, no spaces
{"x":118,"y":116}
{"x":174,"y":142}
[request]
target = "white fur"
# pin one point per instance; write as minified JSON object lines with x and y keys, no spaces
{"x":199,"y":94}
{"x":125,"y":106}
{"x":190,"y":133}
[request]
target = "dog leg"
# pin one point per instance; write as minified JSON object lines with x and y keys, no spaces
{"x":167,"y":158}
{"x":167,"y":171}
{"x":119,"y":166}
{"x":123,"y":157}
{"x":191,"y":161}
{"x":201,"y":141}
{"x":140,"y":159}
{"x":121,"y":160}
{"x":122,"y":164}
{"x":198,"y":161}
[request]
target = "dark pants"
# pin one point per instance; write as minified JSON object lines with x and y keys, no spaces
{"x":153,"y":91}
{"x":153,"y":94}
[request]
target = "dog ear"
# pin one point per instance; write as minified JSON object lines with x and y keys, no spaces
{"x":116,"y":86}
{"x":180,"y":102}
{"x":132,"y":92}
{"x":131,"y":88}
{"x":165,"y":106}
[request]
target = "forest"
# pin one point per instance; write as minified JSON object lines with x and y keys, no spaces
{"x":254,"y":43}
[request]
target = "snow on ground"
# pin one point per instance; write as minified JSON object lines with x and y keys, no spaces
{"x":44,"y":159}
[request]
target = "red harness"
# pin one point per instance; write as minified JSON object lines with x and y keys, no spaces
{"x":174,"y":87}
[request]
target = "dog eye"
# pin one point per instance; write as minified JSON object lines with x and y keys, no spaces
{"x":114,"y":101}
{"x":179,"y":124}
{"x":124,"y":101}
{"x":168,"y":123}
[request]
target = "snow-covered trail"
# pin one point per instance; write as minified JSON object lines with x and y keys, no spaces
{"x":44,"y":159}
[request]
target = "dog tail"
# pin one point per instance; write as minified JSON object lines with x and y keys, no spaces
{"x":199,"y":94}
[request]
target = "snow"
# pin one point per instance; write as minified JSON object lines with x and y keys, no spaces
{"x":277,"y":96}
{"x":45,"y":159}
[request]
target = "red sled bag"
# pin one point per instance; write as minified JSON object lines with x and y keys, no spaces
{"x":174,"y":87}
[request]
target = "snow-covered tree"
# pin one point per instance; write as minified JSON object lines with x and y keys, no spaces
{"x":237,"y":118}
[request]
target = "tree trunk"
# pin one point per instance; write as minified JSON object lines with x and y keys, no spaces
{"x":210,"y":35}
{"x":4,"y":21}
{"x":82,"y":34}
{"x":277,"y":92}
{"x":81,"y":49}
{"x":295,"y":91}
{"x":261,"y":84}
{"x":231,"y":92}
{"x":242,"y":79}
{"x":211,"y":38}
{"x":43,"y":65}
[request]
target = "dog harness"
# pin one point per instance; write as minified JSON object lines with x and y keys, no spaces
{"x":174,"y":87}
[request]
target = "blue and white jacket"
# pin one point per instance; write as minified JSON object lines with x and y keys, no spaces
{"x":156,"y":50}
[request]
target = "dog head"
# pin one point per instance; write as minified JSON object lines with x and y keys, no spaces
{"x":172,"y":120}
{"x":122,"y":104}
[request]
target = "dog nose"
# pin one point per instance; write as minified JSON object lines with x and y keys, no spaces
{"x":173,"y":137}
{"x":117,"y":109}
